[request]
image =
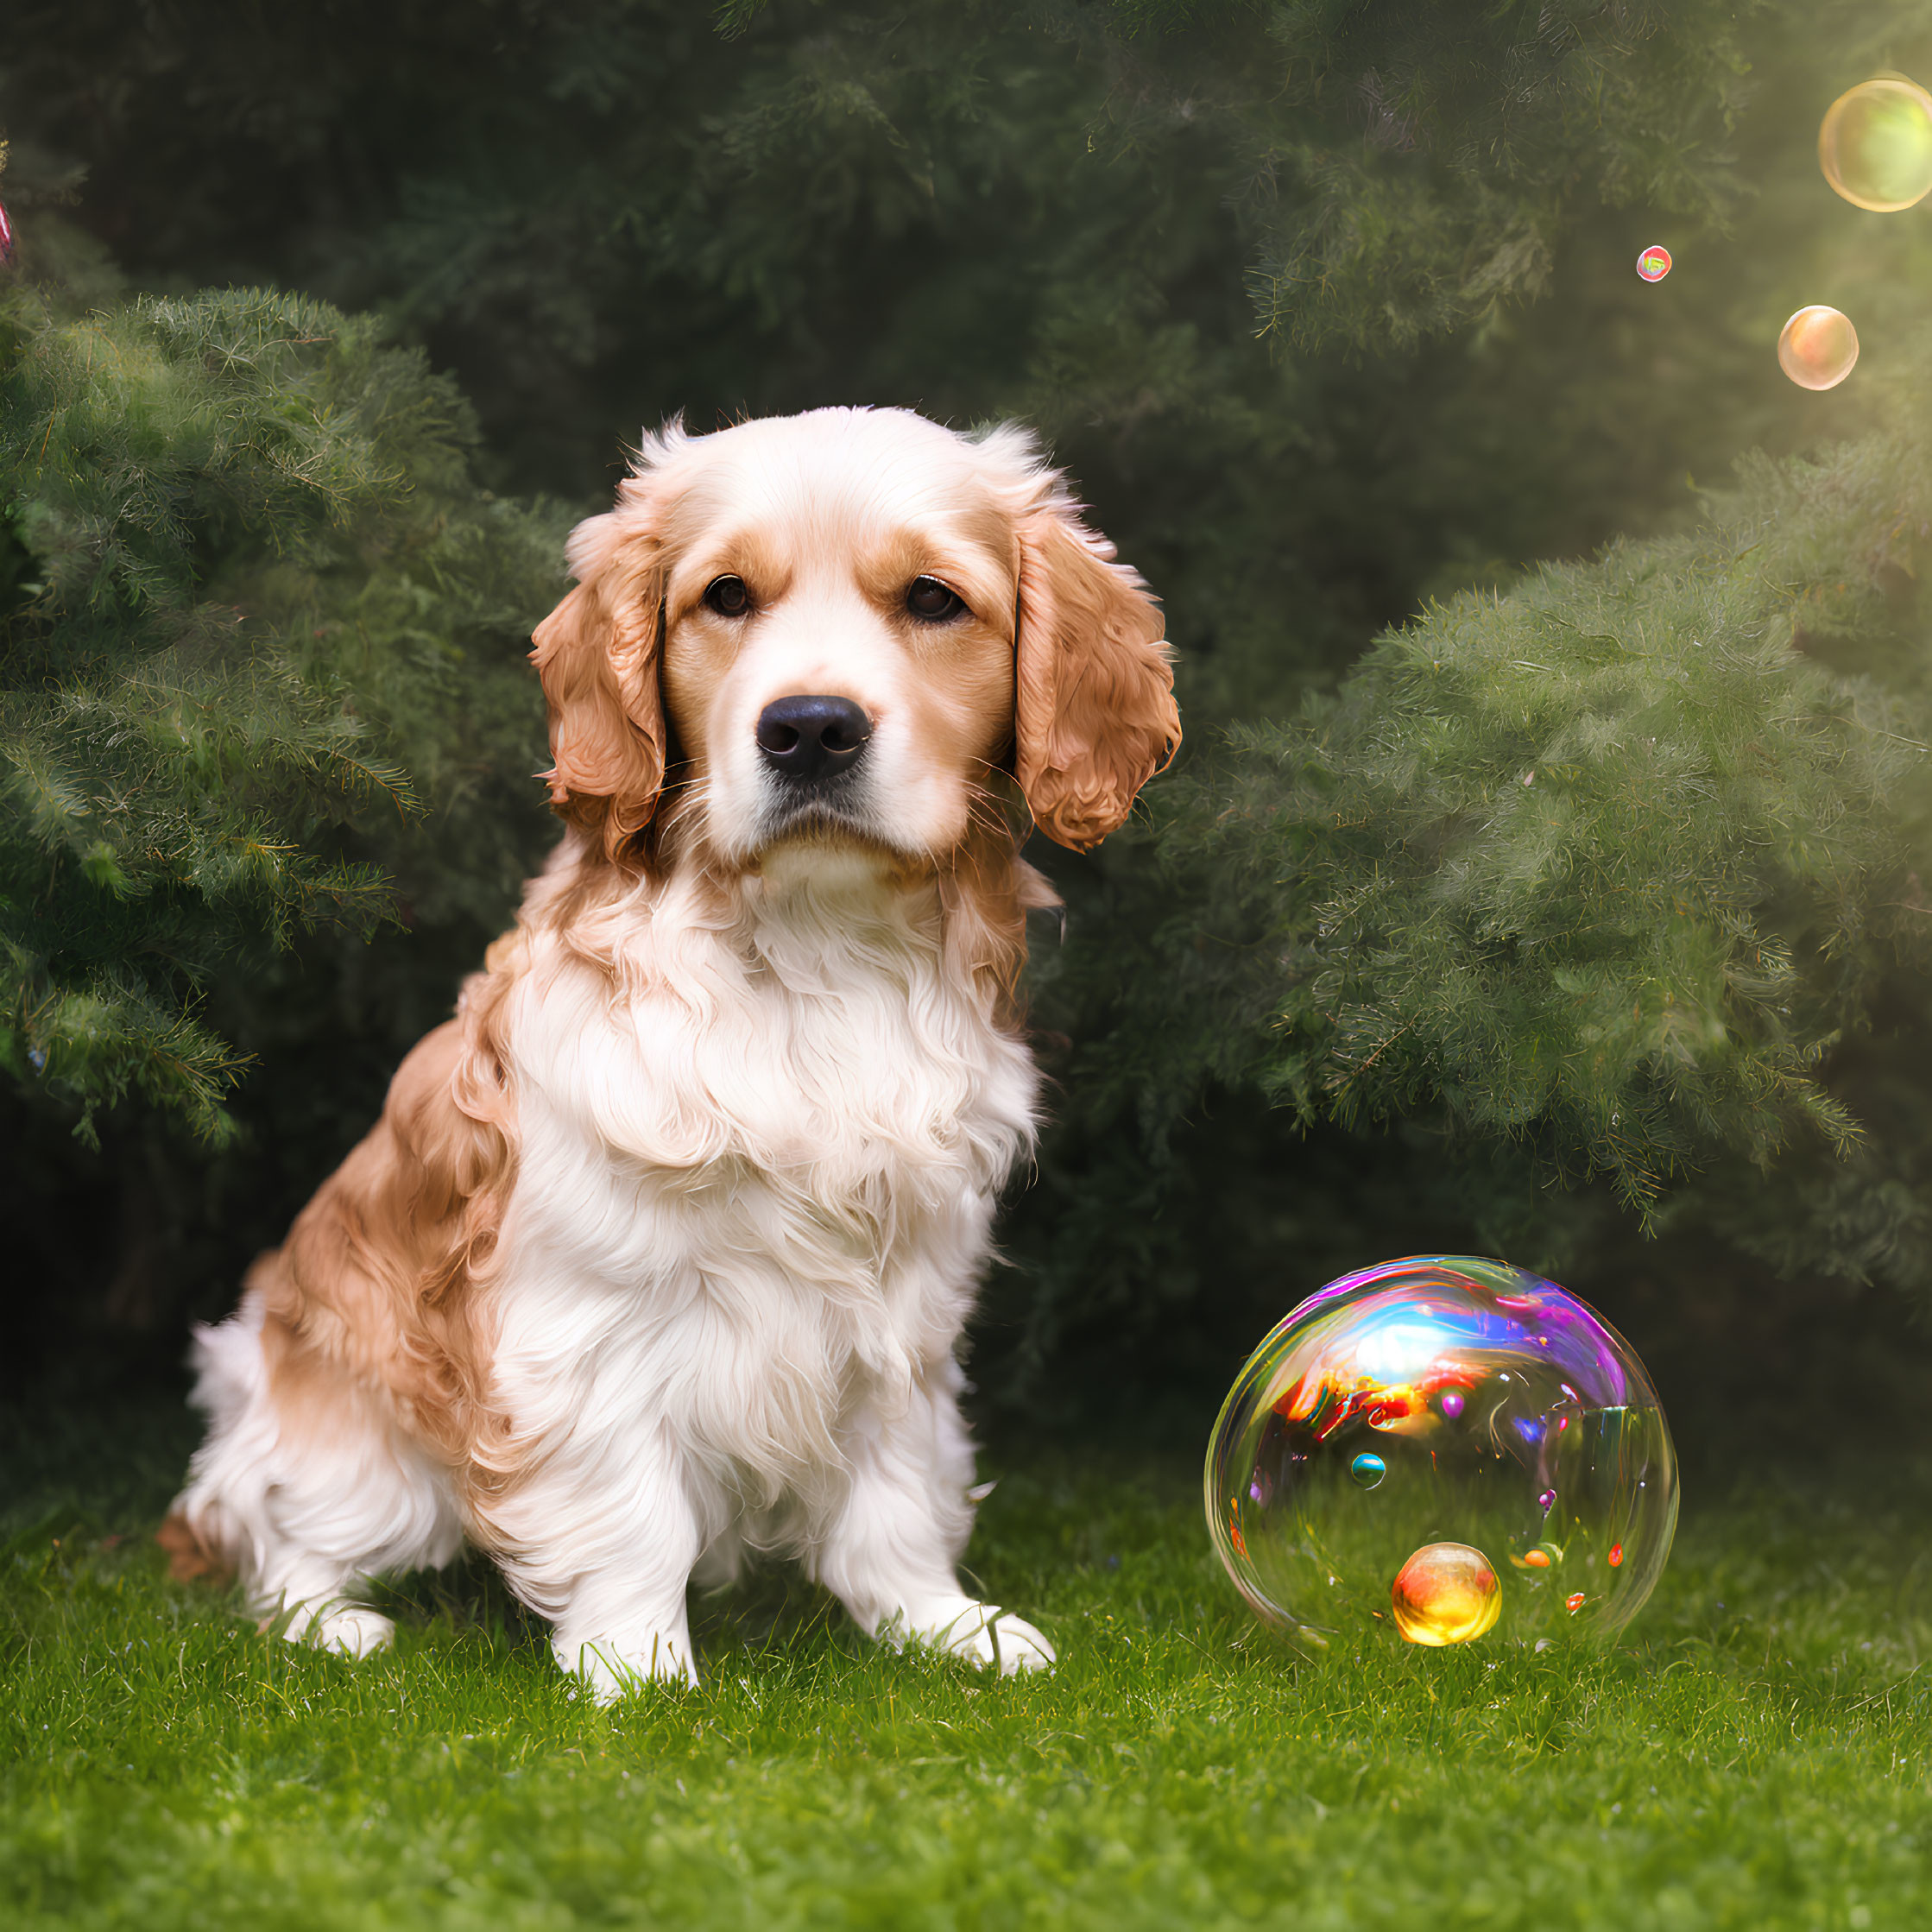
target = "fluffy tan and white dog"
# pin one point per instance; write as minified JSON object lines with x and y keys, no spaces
{"x":662,"y":1248}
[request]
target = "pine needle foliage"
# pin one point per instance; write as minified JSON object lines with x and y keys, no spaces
{"x":1604,"y":865}
{"x":202,"y":500}
{"x":1403,"y":170}
{"x":1412,"y":168}
{"x":842,"y":200}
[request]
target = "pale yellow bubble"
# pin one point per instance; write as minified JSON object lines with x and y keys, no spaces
{"x":1875,"y":144}
{"x":1447,"y":1593}
{"x":1818,"y":347}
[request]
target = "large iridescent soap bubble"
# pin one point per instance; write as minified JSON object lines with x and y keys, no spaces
{"x":1439,"y":1449}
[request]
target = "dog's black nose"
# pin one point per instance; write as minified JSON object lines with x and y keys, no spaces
{"x":812,"y":737}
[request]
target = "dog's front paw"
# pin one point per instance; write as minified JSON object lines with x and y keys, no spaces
{"x":982,"y":1633}
{"x":614,"y":1670}
{"x":350,"y":1630}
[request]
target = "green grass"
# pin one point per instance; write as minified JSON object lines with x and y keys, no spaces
{"x":1756,"y":1754}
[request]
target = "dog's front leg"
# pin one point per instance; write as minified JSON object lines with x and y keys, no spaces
{"x":890,"y":1552}
{"x":603,"y":1546}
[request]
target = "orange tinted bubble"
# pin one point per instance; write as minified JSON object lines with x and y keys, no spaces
{"x":1445,"y":1593}
{"x":1875,"y":144}
{"x":1616,"y":1554}
{"x":1654,"y":263}
{"x":1536,"y":1559}
{"x":1818,"y":347}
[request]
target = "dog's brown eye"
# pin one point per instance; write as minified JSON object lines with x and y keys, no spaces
{"x":927,"y":597}
{"x":728,"y":597}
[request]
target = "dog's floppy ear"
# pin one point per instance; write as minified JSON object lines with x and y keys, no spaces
{"x":597,"y":655}
{"x":1097,"y":718}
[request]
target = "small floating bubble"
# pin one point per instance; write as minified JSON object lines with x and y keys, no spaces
{"x":1368,"y":1470}
{"x":1452,"y":1404}
{"x":1818,"y":347}
{"x":1875,"y":144}
{"x":1654,"y":263}
{"x":1616,"y":1554}
{"x":1573,"y":1603}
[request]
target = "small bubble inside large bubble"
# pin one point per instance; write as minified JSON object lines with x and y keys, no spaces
{"x":1818,"y":347}
{"x":1445,"y":1593}
{"x":1875,"y":144}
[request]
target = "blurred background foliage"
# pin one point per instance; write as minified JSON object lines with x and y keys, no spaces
{"x":1516,"y":892}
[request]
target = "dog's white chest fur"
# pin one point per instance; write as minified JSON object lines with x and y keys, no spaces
{"x":758,"y":1169}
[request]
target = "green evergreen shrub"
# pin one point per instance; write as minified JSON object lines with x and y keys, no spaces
{"x":1263,"y":276}
{"x":242,"y":554}
{"x":1607,"y":863}
{"x":1615,"y":877}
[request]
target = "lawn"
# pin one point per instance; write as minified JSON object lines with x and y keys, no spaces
{"x":1758,"y":1754}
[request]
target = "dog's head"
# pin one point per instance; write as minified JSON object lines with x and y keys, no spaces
{"x":836,"y":625}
